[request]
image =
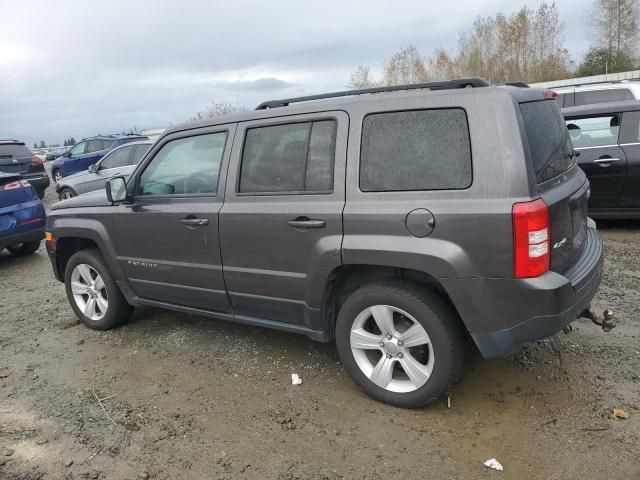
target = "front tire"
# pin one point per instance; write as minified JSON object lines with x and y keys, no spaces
{"x":67,"y":193}
{"x":401,"y":343}
{"x":93,"y":294}
{"x":23,"y":249}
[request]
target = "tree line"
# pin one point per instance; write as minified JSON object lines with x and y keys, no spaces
{"x":527,"y":45}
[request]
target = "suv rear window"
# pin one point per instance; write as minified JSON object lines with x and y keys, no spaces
{"x":589,"y":97}
{"x":549,"y":143}
{"x":14,"y":150}
{"x":415,"y":150}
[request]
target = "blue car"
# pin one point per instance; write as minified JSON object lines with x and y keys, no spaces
{"x":87,"y":152}
{"x":22,"y":216}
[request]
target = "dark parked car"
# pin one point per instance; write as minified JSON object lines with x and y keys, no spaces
{"x":16,"y":158}
{"x":22,"y":216}
{"x":53,"y":154}
{"x":119,"y":161}
{"x":393,"y":223}
{"x":87,"y":152}
{"x":607,"y":135}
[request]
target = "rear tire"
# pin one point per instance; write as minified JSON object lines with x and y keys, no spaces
{"x":23,"y":249}
{"x":414,"y":357}
{"x":66,"y":193}
{"x":41,"y":193}
{"x":93,"y":294}
{"x":57,"y":175}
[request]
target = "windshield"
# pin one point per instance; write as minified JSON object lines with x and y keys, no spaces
{"x":549,"y":142}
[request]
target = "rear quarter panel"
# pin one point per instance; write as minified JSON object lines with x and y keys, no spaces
{"x":472,"y":236}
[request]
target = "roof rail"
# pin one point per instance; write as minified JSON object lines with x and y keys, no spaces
{"x":446,"y":85}
{"x":517,"y":84}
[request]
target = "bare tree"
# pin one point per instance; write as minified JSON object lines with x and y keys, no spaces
{"x":614,"y":25}
{"x":406,"y":66}
{"x":361,"y":78}
{"x":216,"y":109}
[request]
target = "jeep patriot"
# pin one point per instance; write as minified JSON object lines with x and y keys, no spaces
{"x":398,"y":221}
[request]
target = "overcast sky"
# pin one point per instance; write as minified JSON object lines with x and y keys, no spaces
{"x":79,"y":68}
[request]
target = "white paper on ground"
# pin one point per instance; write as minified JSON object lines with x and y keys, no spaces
{"x":493,"y":463}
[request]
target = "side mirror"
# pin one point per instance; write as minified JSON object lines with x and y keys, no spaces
{"x":116,"y":189}
{"x":93,"y":168}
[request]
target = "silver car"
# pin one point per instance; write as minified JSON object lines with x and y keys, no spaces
{"x":120,"y":161}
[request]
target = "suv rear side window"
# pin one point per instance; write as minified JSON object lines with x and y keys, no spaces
{"x":594,"y":131}
{"x":549,"y":144}
{"x":14,"y":150}
{"x":589,"y":97}
{"x":291,"y":158}
{"x":415,"y":150}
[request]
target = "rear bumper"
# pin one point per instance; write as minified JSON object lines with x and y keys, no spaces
{"x":503,"y":314}
{"x":29,"y":236}
{"x":39,"y":181}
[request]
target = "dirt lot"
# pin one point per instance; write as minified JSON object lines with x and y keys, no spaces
{"x":188,"y":397}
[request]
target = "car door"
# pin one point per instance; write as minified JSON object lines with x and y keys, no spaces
{"x":281,"y":224}
{"x":601,"y":158}
{"x":630,"y":144}
{"x":76,"y":159}
{"x":167,"y":238}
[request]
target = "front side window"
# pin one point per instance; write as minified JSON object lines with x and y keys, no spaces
{"x":117,"y":158}
{"x":589,"y":97}
{"x":186,"y":166}
{"x":78,"y":149}
{"x":290,"y":158}
{"x":594,"y":131}
{"x":415,"y":150}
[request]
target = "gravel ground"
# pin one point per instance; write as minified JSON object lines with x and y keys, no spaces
{"x":173,"y":396}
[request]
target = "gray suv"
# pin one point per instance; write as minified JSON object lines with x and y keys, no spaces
{"x":396,"y":221}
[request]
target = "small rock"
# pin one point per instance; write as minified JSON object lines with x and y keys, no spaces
{"x":7,"y":452}
{"x":68,"y":463}
{"x":143,"y":476}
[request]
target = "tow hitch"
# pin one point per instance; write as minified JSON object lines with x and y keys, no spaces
{"x":607,"y":323}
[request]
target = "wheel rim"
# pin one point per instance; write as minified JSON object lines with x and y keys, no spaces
{"x":66,"y":194}
{"x":57,"y":176}
{"x":89,"y":291}
{"x":392,"y":349}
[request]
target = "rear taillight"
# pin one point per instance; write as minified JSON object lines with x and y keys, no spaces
{"x":14,"y":185}
{"x":530,"y":239}
{"x":550,"y":94}
{"x":51,"y":242}
{"x":37,"y":160}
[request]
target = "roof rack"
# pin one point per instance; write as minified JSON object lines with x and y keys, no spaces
{"x":446,"y":85}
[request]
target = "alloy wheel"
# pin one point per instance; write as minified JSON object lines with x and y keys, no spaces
{"x":392,"y":348}
{"x":89,"y":291}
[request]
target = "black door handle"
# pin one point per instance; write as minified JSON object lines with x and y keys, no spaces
{"x":306,"y":222}
{"x":194,"y":222}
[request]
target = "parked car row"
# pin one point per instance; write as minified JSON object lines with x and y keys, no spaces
{"x":87,"y":152}
{"x":395,"y":224}
{"x":121,"y":160}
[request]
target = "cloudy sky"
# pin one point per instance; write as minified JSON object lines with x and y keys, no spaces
{"x":78,"y":68}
